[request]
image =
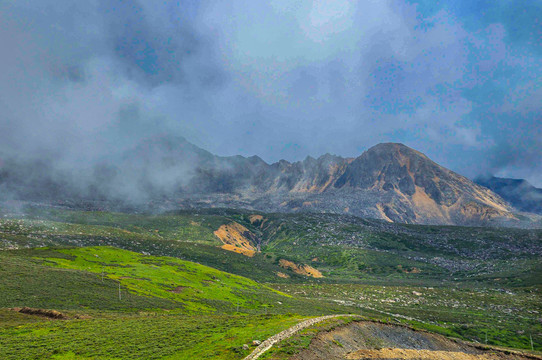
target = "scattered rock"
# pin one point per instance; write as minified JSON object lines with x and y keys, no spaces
{"x":245,"y":347}
{"x":256,"y":342}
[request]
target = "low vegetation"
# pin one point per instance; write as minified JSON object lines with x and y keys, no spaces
{"x":166,"y":279}
{"x":138,"y":336}
{"x":503,"y":317}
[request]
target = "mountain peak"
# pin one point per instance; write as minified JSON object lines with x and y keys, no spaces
{"x":388,"y":166}
{"x":411,"y":187}
{"x":395,"y":149}
{"x":389,"y":146}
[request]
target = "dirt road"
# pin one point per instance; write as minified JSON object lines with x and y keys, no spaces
{"x":267,"y":344}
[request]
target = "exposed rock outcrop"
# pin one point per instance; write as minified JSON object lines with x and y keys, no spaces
{"x":237,"y":238}
{"x":301,"y":269}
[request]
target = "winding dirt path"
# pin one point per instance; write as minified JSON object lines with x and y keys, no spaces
{"x":267,"y":344}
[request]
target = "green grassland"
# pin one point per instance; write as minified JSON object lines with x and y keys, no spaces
{"x":139,"y":336}
{"x":89,"y":278}
{"x":175,"y":280}
{"x":197,"y":287}
{"x":168,"y":308}
{"x":177,"y":235}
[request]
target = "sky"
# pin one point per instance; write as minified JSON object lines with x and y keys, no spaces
{"x":460,"y":81}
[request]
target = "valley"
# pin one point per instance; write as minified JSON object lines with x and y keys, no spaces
{"x":271,"y":180}
{"x":171,"y":274}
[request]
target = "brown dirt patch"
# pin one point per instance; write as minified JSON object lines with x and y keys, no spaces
{"x":239,"y":250}
{"x":51,"y":314}
{"x":237,"y":238}
{"x":255,"y":218}
{"x":302,"y":269}
{"x":424,"y":355}
{"x":178,"y":289}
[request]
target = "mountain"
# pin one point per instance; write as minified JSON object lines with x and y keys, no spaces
{"x":389,"y":181}
{"x":518,"y":192}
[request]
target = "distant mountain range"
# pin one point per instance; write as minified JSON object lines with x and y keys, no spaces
{"x":518,"y":192}
{"x":389,"y":181}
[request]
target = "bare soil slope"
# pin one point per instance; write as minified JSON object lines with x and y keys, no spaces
{"x":372,"y":340}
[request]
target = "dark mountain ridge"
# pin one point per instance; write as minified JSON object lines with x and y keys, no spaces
{"x":518,"y":192}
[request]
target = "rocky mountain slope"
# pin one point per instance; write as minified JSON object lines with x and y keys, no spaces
{"x":388,"y":181}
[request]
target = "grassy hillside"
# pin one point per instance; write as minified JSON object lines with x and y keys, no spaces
{"x":168,"y":308}
{"x":352,"y":249}
{"x":196,"y":288}
{"x":88,"y":278}
{"x":343,"y":248}
{"x":192,"y":240}
{"x":26,"y":281}
{"x":141,"y":336}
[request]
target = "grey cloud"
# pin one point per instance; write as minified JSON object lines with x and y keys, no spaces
{"x":87,"y":81}
{"x":157,"y":50}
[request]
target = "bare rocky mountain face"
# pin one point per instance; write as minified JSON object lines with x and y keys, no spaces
{"x":389,"y":181}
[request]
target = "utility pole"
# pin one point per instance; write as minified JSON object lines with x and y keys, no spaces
{"x":120,"y":296}
{"x":486,"y":336}
{"x":532,"y":346}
